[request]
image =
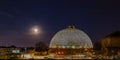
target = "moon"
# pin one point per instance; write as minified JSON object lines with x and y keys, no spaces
{"x":35,"y":30}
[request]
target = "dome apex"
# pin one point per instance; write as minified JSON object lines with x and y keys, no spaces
{"x":71,"y":27}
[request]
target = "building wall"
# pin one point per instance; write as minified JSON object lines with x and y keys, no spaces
{"x":69,"y":51}
{"x":110,"y":44}
{"x":6,"y":53}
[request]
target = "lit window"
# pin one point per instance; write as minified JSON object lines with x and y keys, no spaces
{"x":85,"y":49}
{"x":63,"y":46}
{"x":58,"y":52}
{"x":68,"y":46}
{"x":53,"y":46}
{"x":62,"y":52}
{"x":80,"y":46}
{"x":73,"y":46}
{"x":59,"y":46}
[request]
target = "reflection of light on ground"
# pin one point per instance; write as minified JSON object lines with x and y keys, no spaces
{"x":55,"y":56}
{"x":26,"y":56}
{"x":38,"y":57}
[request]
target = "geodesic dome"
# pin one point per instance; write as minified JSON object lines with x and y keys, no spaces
{"x":70,"y":38}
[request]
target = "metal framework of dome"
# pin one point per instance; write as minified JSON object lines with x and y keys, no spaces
{"x":70,"y":37}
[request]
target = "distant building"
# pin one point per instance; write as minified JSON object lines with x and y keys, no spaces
{"x":111,"y":43}
{"x":9,"y":52}
{"x":70,"y":41}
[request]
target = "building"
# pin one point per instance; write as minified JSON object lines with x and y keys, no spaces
{"x":111,"y":43}
{"x":10,"y":52}
{"x":70,"y":41}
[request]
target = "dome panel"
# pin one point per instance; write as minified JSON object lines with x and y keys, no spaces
{"x":74,"y":38}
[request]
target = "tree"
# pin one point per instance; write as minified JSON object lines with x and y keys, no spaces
{"x":41,"y":46}
{"x":12,"y":46}
{"x":97,"y":46}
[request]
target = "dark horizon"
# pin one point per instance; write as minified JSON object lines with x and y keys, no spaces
{"x":96,"y":18}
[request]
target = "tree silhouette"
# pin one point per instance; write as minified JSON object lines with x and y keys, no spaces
{"x":97,"y":46}
{"x":41,"y":46}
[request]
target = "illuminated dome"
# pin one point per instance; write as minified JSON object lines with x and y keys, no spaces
{"x":70,"y":38}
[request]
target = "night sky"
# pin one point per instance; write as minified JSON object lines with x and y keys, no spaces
{"x":96,"y":18}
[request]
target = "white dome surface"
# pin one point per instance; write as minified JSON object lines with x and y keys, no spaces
{"x":71,"y":38}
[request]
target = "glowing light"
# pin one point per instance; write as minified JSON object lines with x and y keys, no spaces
{"x":35,"y":30}
{"x":73,"y":47}
{"x":62,"y":52}
{"x":58,"y":52}
{"x":86,"y":49}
